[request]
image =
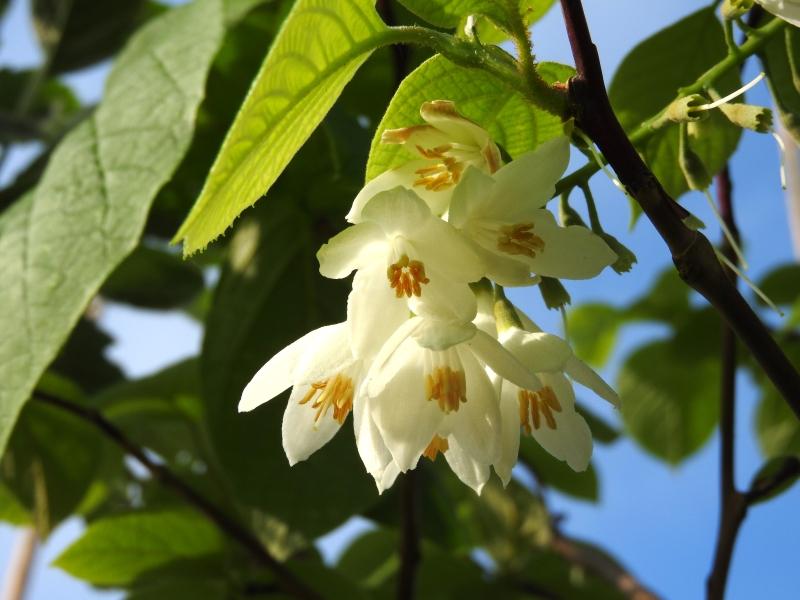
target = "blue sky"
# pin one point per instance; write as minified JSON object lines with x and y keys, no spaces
{"x":660,"y":521}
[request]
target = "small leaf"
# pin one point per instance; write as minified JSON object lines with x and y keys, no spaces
{"x":60,"y":242}
{"x":152,"y":278}
{"x":117,"y":550}
{"x":787,"y":468}
{"x":782,"y":285}
{"x":491,"y":33}
{"x":511,"y":120}
{"x":49,"y":110}
{"x":669,"y":398}
{"x":320,"y":47}
{"x":557,"y":474}
{"x":83,"y":359}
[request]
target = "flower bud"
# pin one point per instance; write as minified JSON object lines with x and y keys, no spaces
{"x":733,"y":9}
{"x":749,"y":116}
{"x":625,"y":257}
{"x":684,"y":110}
{"x":554,"y":293}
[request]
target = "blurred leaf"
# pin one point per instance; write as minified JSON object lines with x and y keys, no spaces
{"x":782,"y":285}
{"x":557,"y":474}
{"x":593,"y":331}
{"x":512,"y":121}
{"x":602,"y":431}
{"x":371,"y":560}
{"x":48,"y":111}
{"x":80,"y":33}
{"x":51,"y":460}
{"x":11,"y":509}
{"x":151,"y":278}
{"x":783,"y":80}
{"x":785,"y":467}
{"x":82,"y":359}
{"x":647,"y":81}
{"x":181,"y":589}
{"x":319,"y":49}
{"x":118,"y":550}
{"x":669,"y":398}
{"x":270,"y":293}
{"x":61,"y":241}
{"x":777,"y":427}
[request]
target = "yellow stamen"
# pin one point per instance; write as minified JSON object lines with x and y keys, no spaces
{"x":441,"y":175}
{"x":519,"y":239}
{"x":406,"y":277}
{"x":535,"y":405}
{"x":336,"y":393}
{"x":438,"y":444}
{"x":447,"y":387}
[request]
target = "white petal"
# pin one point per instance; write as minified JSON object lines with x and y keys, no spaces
{"x":509,"y":434}
{"x":387,"y":478}
{"x":537,"y":351}
{"x":571,"y":441}
{"x":506,"y":270}
{"x":405,"y":417}
{"x":502,"y":362}
{"x":444,"y":298}
{"x":374,"y":312}
{"x":398,"y":211}
{"x":476,"y":424}
{"x":440,"y":335}
{"x":278,"y":374}
{"x":373,"y":452}
{"x":572,"y":252}
{"x":473,"y":473}
{"x":472,"y":198}
{"x":444,"y":117}
{"x":530,"y":179}
{"x":443,"y":248}
{"x":582,"y":373}
{"x":302,"y":435}
{"x":329,"y":355}
{"x":381,"y":370}
{"x":788,"y":10}
{"x":351,"y":249}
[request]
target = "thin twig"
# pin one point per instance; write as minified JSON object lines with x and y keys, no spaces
{"x":409,"y":538}
{"x":287,"y":580}
{"x":692,"y":253}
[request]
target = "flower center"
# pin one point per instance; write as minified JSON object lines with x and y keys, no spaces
{"x":535,"y":405}
{"x":406,"y":277}
{"x":443,"y":174}
{"x":519,"y":239}
{"x":448,"y":387}
{"x":336,"y":392}
{"x":438,"y":444}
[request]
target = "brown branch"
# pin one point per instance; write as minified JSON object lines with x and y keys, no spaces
{"x":733,"y":507}
{"x":286,"y":579}
{"x":601,"y":566}
{"x":692,"y":253}
{"x":409,"y":538}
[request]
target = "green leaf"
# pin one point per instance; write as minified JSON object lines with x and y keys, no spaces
{"x":785,"y":467}
{"x":371,"y":560}
{"x":61,"y":241}
{"x":650,"y":76}
{"x":80,"y":33}
{"x":511,"y":120}
{"x":270,"y":294}
{"x":320,"y":47}
{"x":83,"y":360}
{"x":780,"y":58}
{"x":669,"y":398}
{"x":782,"y":285}
{"x":48,"y":112}
{"x":777,"y":427}
{"x":118,"y":550}
{"x":593,"y":331}
{"x":557,"y":474}
{"x":151,"y":278}
{"x":181,"y":589}
{"x":602,"y":431}
{"x":491,"y":33}
{"x":448,"y":13}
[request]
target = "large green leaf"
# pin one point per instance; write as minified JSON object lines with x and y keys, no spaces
{"x":513,"y":122}
{"x":270,"y":293}
{"x":61,"y":241}
{"x":669,"y":398}
{"x":319,"y":49}
{"x":448,"y":13}
{"x":779,"y":56}
{"x":118,"y":550}
{"x":649,"y":78}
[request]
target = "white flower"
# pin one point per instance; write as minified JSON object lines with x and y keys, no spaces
{"x":788,"y":10}
{"x":548,"y":413}
{"x":445,"y":146}
{"x":407,"y":259}
{"x":325,"y":378}
{"x":428,"y":392}
{"x":505,"y":216}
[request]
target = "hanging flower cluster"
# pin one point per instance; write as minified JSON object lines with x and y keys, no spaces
{"x":427,"y":361}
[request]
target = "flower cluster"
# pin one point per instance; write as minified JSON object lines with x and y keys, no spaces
{"x":427,"y":361}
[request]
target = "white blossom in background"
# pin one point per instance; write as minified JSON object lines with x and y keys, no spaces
{"x":788,"y":10}
{"x":445,"y":146}
{"x":505,"y":218}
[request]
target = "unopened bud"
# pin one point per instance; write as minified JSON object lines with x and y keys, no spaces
{"x":733,"y":9}
{"x":749,"y":116}
{"x":625,"y":257}
{"x":684,"y":110}
{"x":691,"y":164}
{"x":554,"y":294}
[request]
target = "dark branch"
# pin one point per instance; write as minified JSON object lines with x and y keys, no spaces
{"x":409,"y":538}
{"x":288,"y":582}
{"x":693,"y":255}
{"x":732,"y":506}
